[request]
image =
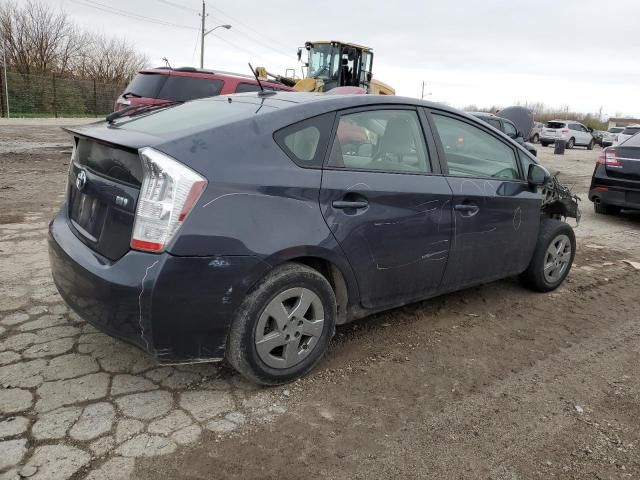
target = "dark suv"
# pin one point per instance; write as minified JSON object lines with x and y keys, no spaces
{"x":247,"y":227}
{"x":157,"y":85}
{"x":508,"y":128}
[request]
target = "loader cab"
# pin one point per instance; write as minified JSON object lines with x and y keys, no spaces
{"x":339,"y":64}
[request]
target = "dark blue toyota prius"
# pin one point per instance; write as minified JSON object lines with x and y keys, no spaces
{"x":247,"y":227}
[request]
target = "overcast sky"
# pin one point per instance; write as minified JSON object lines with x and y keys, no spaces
{"x":584,"y":54}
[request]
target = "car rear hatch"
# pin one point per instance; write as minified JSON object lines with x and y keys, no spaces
{"x":103,"y":186}
{"x":554,"y":129}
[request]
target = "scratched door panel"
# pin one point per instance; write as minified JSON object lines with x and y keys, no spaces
{"x":399,"y":244}
{"x":499,"y":239}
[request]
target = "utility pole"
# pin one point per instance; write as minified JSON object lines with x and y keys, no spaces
{"x":6,"y":85}
{"x":203,"y":15}
{"x":422,"y":97}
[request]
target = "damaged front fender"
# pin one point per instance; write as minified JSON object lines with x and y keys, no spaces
{"x":559,"y":201}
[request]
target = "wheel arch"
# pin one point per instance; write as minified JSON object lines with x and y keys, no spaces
{"x":331,"y":266}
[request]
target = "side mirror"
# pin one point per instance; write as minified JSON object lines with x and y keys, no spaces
{"x":590,"y":129}
{"x":537,"y":175}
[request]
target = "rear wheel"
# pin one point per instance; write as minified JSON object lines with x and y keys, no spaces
{"x":571,"y":143}
{"x":283,"y":327}
{"x":591,"y":144}
{"x":552,"y":258}
{"x":535,"y":138}
{"x":605,"y":209}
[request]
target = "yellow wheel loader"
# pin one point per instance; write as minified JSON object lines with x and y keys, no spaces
{"x":332,"y":64}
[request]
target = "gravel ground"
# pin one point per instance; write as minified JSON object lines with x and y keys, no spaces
{"x":492,"y":382}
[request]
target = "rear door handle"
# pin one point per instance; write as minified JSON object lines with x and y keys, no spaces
{"x":467,"y":210}
{"x":355,"y":204}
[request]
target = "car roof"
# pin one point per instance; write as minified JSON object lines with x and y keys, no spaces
{"x":200,"y":72}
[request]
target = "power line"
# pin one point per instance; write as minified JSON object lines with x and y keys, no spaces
{"x":181,"y":7}
{"x":124,"y":13}
{"x":251,"y":29}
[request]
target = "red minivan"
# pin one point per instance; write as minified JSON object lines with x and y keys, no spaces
{"x":157,"y":85}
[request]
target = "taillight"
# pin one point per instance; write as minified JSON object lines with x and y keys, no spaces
{"x":565,"y":130}
{"x":168,"y":193}
{"x":609,"y":157}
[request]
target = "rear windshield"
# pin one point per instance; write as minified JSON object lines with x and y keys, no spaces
{"x":169,"y":87}
{"x":556,"y":124}
{"x":209,"y":113}
{"x":632,"y":142}
{"x":631,"y":130}
{"x":108,"y":161}
{"x":616,"y":129}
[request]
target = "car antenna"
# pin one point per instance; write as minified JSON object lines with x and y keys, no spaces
{"x":263,"y":92}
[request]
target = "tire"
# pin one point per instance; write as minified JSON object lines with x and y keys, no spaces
{"x":535,"y":138}
{"x":591,"y":145}
{"x":544,"y":144}
{"x":571,"y":143}
{"x":605,"y":209}
{"x":253,"y":326}
{"x":552,"y":232}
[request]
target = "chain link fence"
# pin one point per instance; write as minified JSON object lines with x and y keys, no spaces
{"x":51,"y":96}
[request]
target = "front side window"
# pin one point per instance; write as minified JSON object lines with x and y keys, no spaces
{"x":382,"y":140}
{"x":472,"y":152}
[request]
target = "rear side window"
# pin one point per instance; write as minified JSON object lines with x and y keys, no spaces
{"x":631,"y":130}
{"x":183,"y":89}
{"x":556,"y":125}
{"x":472,"y":152}
{"x":247,"y":87}
{"x":306,"y":142}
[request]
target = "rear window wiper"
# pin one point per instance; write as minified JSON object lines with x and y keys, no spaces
{"x":130,"y":94}
{"x":136,"y":109}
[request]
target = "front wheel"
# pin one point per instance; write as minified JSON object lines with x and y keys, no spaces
{"x":535,"y":138}
{"x":544,"y":144}
{"x":552,"y":257}
{"x":283,"y":327}
{"x":591,"y":145}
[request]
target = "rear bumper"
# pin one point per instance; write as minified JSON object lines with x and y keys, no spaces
{"x":178,"y":309}
{"x":613,"y":191}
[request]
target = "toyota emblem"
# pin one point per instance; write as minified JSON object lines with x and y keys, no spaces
{"x":81,"y":179}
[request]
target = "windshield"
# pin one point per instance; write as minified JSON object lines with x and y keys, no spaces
{"x":632,"y":141}
{"x":556,"y":124}
{"x":323,"y":61}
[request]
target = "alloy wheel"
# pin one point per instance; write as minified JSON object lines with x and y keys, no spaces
{"x":289,"y":328}
{"x":557,"y":258}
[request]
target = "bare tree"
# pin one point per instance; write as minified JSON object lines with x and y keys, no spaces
{"x":41,"y":40}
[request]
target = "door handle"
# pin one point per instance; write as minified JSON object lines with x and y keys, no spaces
{"x":467,"y":209}
{"x":355,"y":204}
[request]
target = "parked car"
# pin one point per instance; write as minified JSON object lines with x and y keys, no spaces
{"x":157,"y":85}
{"x":534,"y":136}
{"x":610,"y":136}
{"x":627,"y":133}
{"x":241,"y":227}
{"x":507,"y":127}
{"x":573,"y":132}
{"x":597,"y":136}
{"x":615,"y":183}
